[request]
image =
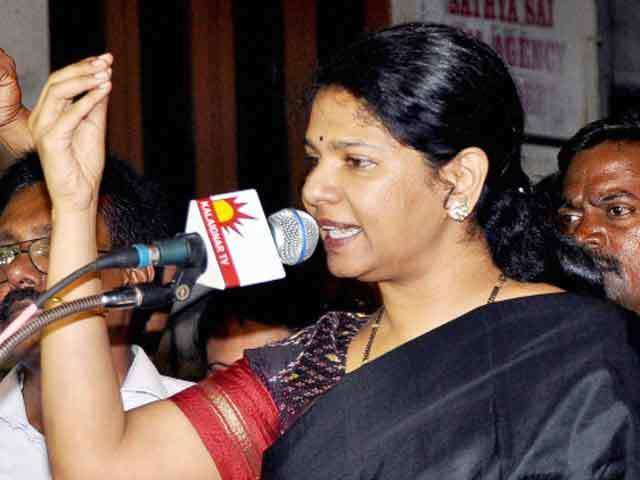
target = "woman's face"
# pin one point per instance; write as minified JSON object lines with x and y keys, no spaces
{"x":379,"y":208}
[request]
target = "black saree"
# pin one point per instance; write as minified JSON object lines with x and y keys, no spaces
{"x":536,"y":388}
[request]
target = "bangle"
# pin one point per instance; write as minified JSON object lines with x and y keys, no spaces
{"x":52,"y":303}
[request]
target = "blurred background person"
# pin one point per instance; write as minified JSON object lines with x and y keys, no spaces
{"x":598,"y":187}
{"x":127,"y":214}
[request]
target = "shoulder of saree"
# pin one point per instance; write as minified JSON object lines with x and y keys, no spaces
{"x":299,"y":369}
{"x":235,"y":417}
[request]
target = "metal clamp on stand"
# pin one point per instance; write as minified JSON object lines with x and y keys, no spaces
{"x":184,"y":283}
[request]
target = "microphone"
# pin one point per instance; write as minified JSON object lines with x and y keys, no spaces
{"x":295,"y":234}
{"x":228,"y":243}
{"x":183,"y":250}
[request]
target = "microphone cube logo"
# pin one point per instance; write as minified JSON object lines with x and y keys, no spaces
{"x":220,"y":215}
{"x":240,"y":248}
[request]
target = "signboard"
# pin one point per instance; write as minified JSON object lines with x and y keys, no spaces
{"x":550,"y":46}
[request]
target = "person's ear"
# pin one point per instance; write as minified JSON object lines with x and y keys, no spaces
{"x":465,"y":175}
{"x":134,"y":276}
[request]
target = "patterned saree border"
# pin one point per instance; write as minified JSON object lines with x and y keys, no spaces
{"x":226,"y":411}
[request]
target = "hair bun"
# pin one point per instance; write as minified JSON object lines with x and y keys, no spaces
{"x":516,"y":226}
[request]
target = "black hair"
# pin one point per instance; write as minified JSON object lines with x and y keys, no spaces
{"x":438,"y":91}
{"x":133,"y":207}
{"x":576,"y":269}
{"x":625,"y":126}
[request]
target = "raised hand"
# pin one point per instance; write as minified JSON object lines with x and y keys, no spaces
{"x":14,"y":133}
{"x":10,"y":93}
{"x":68,"y":125}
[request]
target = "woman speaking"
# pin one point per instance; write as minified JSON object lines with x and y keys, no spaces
{"x":473,"y":368}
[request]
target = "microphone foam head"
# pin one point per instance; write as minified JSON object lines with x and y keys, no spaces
{"x":295,"y":234}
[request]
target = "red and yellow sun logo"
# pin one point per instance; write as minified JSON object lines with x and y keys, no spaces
{"x":228,"y":213}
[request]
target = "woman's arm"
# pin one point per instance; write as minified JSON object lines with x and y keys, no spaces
{"x":88,"y":434}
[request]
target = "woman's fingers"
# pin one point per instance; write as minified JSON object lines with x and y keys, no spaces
{"x":68,"y":126}
{"x":59,"y":100}
{"x":65,"y":84}
{"x":61,"y":95}
{"x":88,"y":66}
{"x":69,"y":119}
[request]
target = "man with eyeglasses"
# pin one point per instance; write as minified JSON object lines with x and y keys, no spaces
{"x":131,"y":209}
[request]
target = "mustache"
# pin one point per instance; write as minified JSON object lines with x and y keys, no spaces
{"x":13,"y":297}
{"x":606,"y":263}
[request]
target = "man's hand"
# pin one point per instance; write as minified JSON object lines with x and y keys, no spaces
{"x":10,"y":93}
{"x":68,"y":125}
{"x":14,"y":133}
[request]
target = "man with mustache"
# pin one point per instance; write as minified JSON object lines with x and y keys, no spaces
{"x":131,"y":209}
{"x":599,"y":171}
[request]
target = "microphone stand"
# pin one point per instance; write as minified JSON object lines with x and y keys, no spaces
{"x":144,"y":296}
{"x":45,"y":318}
{"x":137,"y":296}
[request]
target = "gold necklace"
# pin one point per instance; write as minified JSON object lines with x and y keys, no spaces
{"x":376,"y":323}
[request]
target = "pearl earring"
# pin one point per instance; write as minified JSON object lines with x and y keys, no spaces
{"x":459,"y":210}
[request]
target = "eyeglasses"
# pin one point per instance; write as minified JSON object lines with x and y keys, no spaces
{"x":37,"y":249}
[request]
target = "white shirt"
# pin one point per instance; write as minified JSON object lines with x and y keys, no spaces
{"x":23,"y":452}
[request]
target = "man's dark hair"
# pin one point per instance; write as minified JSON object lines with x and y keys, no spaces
{"x":625,"y":126}
{"x":133,"y":207}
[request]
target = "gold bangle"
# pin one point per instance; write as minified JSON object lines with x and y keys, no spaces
{"x":53,"y":302}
